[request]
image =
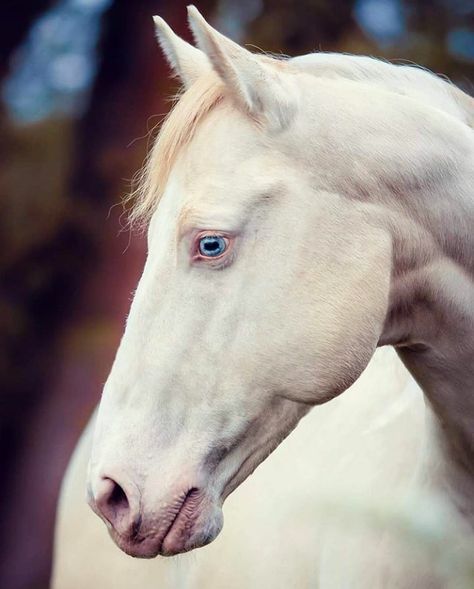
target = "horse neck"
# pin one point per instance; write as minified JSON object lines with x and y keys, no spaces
{"x":447,"y":379}
{"x":431,"y":321}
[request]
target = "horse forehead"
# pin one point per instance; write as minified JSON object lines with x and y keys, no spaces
{"x":225,"y":138}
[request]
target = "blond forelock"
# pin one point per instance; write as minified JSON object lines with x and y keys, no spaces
{"x":176,"y":132}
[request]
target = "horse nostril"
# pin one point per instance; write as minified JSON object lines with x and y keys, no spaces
{"x":112,"y":503}
{"x":117,"y":499}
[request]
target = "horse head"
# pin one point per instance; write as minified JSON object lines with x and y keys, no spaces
{"x":264,"y":292}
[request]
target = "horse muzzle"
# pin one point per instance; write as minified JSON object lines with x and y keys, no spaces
{"x":187,"y":519}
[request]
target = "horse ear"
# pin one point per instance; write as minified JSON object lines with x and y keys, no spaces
{"x":187,"y":62}
{"x":256,"y":86}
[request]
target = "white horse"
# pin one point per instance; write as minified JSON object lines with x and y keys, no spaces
{"x":303,"y":212}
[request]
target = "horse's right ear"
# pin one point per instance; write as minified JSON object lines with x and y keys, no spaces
{"x":187,"y":62}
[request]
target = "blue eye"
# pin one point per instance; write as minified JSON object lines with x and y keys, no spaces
{"x":212,"y":246}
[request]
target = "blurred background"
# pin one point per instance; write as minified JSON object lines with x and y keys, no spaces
{"x":82,"y":88}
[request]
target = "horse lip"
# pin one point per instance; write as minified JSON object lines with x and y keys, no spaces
{"x":192,"y":494}
{"x":145,"y":547}
{"x":148,"y":545}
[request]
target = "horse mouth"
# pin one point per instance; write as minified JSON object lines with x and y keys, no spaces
{"x":180,"y":531}
{"x":180,"y":534}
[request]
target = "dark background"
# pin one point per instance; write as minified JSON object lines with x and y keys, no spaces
{"x":83,"y":85}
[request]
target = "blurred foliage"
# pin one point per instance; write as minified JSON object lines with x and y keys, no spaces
{"x":56,"y":65}
{"x":309,"y":25}
{"x":37,"y":163}
{"x":41,"y":233}
{"x":424,"y":33}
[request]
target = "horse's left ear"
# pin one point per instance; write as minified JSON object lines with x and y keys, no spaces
{"x":187,"y":62}
{"x":256,"y":86}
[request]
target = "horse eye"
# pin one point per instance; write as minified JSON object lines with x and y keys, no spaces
{"x":211,"y":246}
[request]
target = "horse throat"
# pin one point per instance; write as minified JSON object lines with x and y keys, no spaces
{"x":431,"y":323}
{"x":448,"y":384}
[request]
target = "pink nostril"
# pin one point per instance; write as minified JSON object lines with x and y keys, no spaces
{"x":117,"y":499}
{"x":112,"y":504}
